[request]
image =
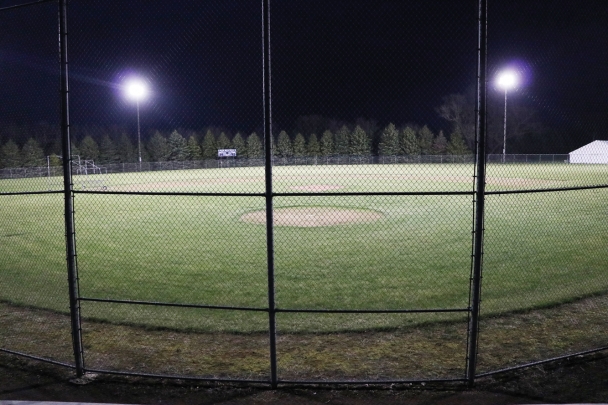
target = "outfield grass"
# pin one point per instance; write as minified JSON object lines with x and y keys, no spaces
{"x":540,"y":249}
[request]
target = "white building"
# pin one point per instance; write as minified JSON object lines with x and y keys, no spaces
{"x":594,"y":152}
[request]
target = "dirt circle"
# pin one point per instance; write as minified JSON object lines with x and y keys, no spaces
{"x":310,"y":217}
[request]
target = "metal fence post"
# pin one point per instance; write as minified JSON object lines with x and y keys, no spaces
{"x":268,"y":178}
{"x":475,"y":292}
{"x":68,"y":195}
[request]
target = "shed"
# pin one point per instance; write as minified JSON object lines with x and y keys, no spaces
{"x":594,"y":152}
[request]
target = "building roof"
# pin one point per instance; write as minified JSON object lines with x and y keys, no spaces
{"x":595,"y":147}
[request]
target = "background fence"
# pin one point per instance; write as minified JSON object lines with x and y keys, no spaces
{"x":54,"y":171}
{"x":363,"y":264}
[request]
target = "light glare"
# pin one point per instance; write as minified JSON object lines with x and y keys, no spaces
{"x":507,"y":80}
{"x":136,"y":89}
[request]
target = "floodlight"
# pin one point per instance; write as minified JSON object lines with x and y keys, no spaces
{"x":136,"y":89}
{"x":507,"y":80}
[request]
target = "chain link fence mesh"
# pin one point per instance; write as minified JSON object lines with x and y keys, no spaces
{"x":366,"y":268}
{"x":360,"y":347}
{"x":342,"y":249}
{"x":33,"y":293}
{"x":549,"y":245}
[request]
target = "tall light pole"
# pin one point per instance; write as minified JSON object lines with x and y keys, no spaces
{"x":137,"y":90}
{"x":506,"y":80}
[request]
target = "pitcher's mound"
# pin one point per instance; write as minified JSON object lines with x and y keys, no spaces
{"x":309,"y":217}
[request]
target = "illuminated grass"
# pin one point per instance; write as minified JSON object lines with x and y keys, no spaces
{"x":540,"y":249}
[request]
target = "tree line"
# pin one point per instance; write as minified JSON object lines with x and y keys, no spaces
{"x":174,"y":146}
{"x":313,"y":135}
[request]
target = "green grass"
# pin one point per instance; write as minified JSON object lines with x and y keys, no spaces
{"x":540,"y":249}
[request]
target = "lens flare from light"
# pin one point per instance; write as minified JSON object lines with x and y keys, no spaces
{"x":507,"y":80}
{"x":136,"y":89}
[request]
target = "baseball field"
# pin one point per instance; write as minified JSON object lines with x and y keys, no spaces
{"x":198,"y":237}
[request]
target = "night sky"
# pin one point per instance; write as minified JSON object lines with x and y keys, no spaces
{"x":390,"y":61}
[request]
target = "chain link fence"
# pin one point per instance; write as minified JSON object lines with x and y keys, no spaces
{"x":33,"y":252}
{"x":57,"y":171}
{"x":544,"y":227}
{"x":319,"y":205}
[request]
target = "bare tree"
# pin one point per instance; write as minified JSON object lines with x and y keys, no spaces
{"x":522,"y":120}
{"x":459,"y":110}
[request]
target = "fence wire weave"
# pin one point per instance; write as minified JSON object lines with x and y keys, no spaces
{"x":396,"y":168}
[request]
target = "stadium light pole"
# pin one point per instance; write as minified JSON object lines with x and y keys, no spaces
{"x":137,"y":90}
{"x":506,"y":80}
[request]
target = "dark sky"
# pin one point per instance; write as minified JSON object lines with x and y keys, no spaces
{"x":392,"y":61}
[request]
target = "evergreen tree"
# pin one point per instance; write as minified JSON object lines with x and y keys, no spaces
{"x":74,"y":152}
{"x":10,"y":155}
{"x":284,"y":147}
{"x":408,"y":143}
{"x":126,"y":151}
{"x":457,"y":146}
{"x":238,"y":143}
{"x":55,"y":160}
{"x":32,"y":154}
{"x":341,"y":146}
{"x":359,"y":142}
{"x":254,"y":147}
{"x":107,"y":150}
{"x":209,"y":146}
{"x":223,"y":142}
{"x":439,"y":144}
{"x":193,"y":150}
{"x":157,"y":147}
{"x":56,"y":146}
{"x":327,"y":143}
{"x":177,"y":147}
{"x":425,"y":140}
{"x":89,"y":150}
{"x":313,"y":146}
{"x":389,"y":141}
{"x":299,"y":146}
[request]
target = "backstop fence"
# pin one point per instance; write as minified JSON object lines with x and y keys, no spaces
{"x":362,"y":266}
